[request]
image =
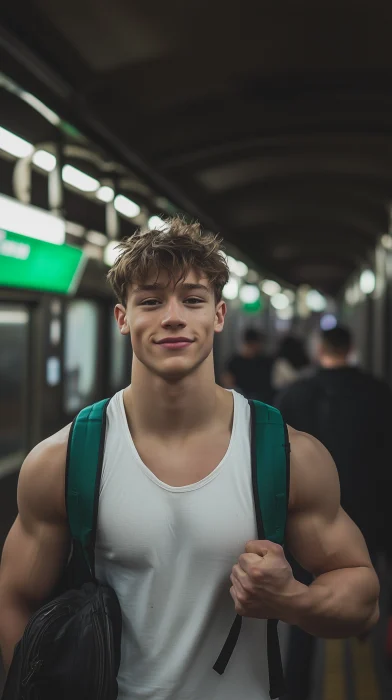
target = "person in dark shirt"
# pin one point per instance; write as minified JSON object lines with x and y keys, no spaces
{"x":250,"y":371}
{"x":350,"y":412}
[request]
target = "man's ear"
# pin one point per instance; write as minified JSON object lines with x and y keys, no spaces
{"x":120,"y":314}
{"x":220,"y":313}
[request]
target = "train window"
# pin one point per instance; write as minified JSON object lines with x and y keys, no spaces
{"x":119,"y":351}
{"x":14,"y":349}
{"x":80,"y":354}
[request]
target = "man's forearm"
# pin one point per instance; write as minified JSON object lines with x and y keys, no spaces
{"x":341,"y":603}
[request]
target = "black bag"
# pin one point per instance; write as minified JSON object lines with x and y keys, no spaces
{"x":71,"y":647}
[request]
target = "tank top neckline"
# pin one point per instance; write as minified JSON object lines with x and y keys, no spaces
{"x":189,"y":487}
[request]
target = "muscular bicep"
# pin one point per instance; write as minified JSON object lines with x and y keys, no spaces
{"x":320,"y":534}
{"x":32,"y":561}
{"x":37,"y":546}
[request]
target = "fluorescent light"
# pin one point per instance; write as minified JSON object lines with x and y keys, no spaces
{"x":290,"y":295}
{"x":73,"y":176}
{"x":249,"y":293}
{"x":74,"y":229}
{"x":367,"y":282}
{"x":39,"y":106}
{"x":270,"y":287}
{"x":44,"y":160}
{"x":14,"y":318}
{"x":231,"y":263}
{"x":105,"y":194}
{"x":237,"y":267}
{"x":285,"y":314}
{"x":16,"y":146}
{"x":230,"y":290}
{"x":30,"y":221}
{"x":111,"y":253}
{"x":97,"y":238}
{"x":155,"y":223}
{"x":240,"y":268}
{"x":353,"y":294}
{"x":315,"y":301}
{"x":126,"y":206}
{"x":280,"y":301}
{"x":386,"y":241}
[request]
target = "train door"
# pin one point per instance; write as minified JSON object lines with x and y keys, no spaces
{"x":15,"y":352}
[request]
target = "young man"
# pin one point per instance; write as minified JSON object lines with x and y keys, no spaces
{"x":177,"y":534}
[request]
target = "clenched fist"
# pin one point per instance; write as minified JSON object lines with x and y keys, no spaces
{"x":264,"y":585}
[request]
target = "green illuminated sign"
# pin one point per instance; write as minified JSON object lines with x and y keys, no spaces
{"x":33,"y":264}
{"x":253,"y":308}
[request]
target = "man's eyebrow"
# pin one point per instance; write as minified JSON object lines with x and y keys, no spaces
{"x":190,"y":286}
{"x":193,"y":286}
{"x":147,"y":288}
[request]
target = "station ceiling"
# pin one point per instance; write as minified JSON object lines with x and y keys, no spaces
{"x":271,"y":122}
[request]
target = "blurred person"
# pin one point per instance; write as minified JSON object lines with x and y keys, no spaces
{"x":249,"y":371}
{"x":350,"y":412}
{"x":290,"y":363}
{"x":177,"y":535}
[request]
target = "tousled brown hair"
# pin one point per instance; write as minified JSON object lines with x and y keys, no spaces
{"x":177,"y":249}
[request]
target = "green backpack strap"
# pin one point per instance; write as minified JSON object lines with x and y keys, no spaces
{"x":83,"y":475}
{"x":270,"y":452}
{"x":270,"y":471}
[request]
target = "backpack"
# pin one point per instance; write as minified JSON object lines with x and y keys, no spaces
{"x":270,"y":481}
{"x":71,"y":647}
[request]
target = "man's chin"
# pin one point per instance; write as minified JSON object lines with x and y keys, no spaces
{"x":173,"y":375}
{"x":174,"y":371}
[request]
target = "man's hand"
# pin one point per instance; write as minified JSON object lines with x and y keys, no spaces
{"x":263,"y":583}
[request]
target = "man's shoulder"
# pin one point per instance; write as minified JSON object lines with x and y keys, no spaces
{"x":53,"y":449}
{"x":302,"y":387}
{"x":311,"y":466}
{"x":378,"y":384}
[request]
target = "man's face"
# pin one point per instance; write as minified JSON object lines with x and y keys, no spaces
{"x":172,"y":325}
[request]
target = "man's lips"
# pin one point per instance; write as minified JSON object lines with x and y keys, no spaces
{"x":175,"y":343}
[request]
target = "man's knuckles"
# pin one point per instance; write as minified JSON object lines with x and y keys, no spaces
{"x":263,"y":547}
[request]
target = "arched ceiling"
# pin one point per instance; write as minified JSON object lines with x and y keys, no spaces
{"x":272,"y":121}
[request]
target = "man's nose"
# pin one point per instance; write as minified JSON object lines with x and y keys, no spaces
{"x":174,"y":315}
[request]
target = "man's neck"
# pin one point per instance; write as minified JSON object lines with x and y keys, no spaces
{"x":248,"y":353}
{"x":329,"y":362}
{"x":166,"y":408}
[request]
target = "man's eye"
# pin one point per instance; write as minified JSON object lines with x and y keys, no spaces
{"x":194,"y":300}
{"x":149,"y":302}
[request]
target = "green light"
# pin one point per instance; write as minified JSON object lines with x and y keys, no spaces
{"x":33,"y":264}
{"x":253,"y":308}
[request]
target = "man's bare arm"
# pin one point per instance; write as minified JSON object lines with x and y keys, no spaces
{"x":37,"y":546}
{"x":343,"y":599}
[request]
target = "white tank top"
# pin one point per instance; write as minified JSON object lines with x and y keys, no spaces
{"x":168,"y":553}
